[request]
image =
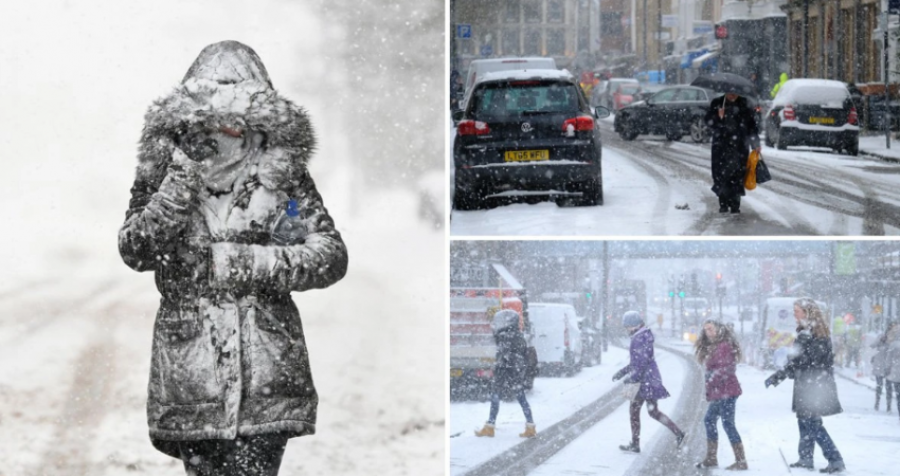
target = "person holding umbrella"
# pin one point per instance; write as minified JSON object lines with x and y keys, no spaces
{"x":734,"y":132}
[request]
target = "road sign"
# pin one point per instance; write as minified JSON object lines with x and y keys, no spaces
{"x":464,"y":30}
{"x":669,"y":21}
{"x":487,"y":50}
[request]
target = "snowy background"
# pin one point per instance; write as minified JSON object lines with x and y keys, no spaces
{"x":75,"y":322}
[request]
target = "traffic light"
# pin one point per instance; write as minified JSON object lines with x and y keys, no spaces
{"x":588,"y":295}
{"x":671,"y":293}
{"x":681,"y":294}
{"x":718,"y":277}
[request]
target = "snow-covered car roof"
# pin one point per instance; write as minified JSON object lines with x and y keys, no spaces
{"x":812,"y":91}
{"x":522,"y":74}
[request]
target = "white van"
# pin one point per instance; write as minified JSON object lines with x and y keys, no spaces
{"x":557,"y":338}
{"x":480,"y":67}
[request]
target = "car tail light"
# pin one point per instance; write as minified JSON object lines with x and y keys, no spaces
{"x":580,"y":123}
{"x":472,"y":128}
{"x":852,"y":118}
{"x":566,"y":337}
{"x":789,"y":113}
{"x":484,"y":373}
{"x":524,"y":83}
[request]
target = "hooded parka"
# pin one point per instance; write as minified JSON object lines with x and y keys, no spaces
{"x":642,"y":367}
{"x":228,"y":356}
{"x":732,"y":139}
{"x":510,"y":367}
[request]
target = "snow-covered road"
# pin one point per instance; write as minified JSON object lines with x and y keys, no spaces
{"x":656,"y":187}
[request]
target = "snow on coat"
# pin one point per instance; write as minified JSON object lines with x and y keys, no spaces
{"x":511,"y":364}
{"x":721,"y":376}
{"x":732,"y":138}
{"x":880,"y":361}
{"x":642,"y":367}
{"x":812,"y":368}
{"x":893,"y":361}
{"x":229,"y":355}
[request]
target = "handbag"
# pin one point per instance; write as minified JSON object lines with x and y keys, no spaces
{"x":630,"y":390}
{"x":762,"y":172}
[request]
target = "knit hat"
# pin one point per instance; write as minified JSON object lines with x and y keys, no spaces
{"x":632,"y":319}
{"x":503,"y":319}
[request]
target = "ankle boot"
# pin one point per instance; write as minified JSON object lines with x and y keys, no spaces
{"x":488,"y":431}
{"x":877,"y":401}
{"x":740,"y":461}
{"x":530,"y":431}
{"x":712,"y":448}
{"x":632,"y":447}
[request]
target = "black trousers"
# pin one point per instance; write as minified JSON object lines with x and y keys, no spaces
{"x":244,"y":456}
{"x":730,"y":202}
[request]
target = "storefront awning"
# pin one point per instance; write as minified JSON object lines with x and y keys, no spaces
{"x":704,"y":60}
{"x":689,"y":57}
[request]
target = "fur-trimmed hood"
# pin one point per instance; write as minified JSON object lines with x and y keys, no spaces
{"x":226,"y":86}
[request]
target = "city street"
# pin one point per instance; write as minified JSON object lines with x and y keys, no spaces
{"x":655,"y":187}
{"x":582,"y":420}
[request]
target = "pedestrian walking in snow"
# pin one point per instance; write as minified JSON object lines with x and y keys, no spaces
{"x":734,"y":132}
{"x":510,"y":370}
{"x":893,"y":359}
{"x":881,"y":369}
{"x":815,"y":391}
{"x":718,"y":350}
{"x":642,"y":369}
{"x":226,"y":215}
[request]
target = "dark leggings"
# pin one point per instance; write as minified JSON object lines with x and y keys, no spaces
{"x":520,"y":396}
{"x":244,"y":456}
{"x":889,"y":387}
{"x":653,"y":411}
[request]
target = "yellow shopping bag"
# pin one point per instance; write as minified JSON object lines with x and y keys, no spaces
{"x":750,"y":178}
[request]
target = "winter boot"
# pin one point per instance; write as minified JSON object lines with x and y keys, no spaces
{"x":802,"y":464}
{"x":488,"y":431}
{"x":888,"y":401}
{"x":631,"y":447}
{"x":740,"y":461}
{"x":711,"y":461}
{"x":679,"y":438}
{"x":833,"y":467}
{"x":723,"y":205}
{"x":530,"y":431}
{"x":877,"y":401}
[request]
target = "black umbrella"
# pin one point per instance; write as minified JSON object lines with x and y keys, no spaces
{"x":726,"y":83}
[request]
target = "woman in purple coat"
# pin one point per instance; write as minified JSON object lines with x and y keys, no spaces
{"x":719,"y":350}
{"x":642,"y":369}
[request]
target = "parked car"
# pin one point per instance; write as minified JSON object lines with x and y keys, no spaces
{"x":813,"y":112}
{"x":478,"y":68}
{"x":673,"y":112}
{"x":606,"y":99}
{"x":624,"y":95}
{"x":557,"y":338}
{"x":527,"y":131}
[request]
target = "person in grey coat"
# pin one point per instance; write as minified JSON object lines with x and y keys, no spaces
{"x":815,"y":391}
{"x":222,"y":173}
{"x":881,"y":369}
{"x":893,"y":359}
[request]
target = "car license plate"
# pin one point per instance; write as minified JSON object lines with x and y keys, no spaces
{"x":526,"y":155}
{"x":456,"y":372}
{"x":821,"y":120}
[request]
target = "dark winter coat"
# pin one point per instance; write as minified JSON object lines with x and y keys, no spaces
{"x":511,"y":365}
{"x":893,"y":361}
{"x":229,"y":356}
{"x":642,"y":367}
{"x":732,"y":139}
{"x":721,"y":375}
{"x":881,"y":359}
{"x":812,"y":368}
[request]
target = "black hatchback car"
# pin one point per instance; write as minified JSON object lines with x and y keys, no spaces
{"x":527,"y":131}
{"x":673,"y":112}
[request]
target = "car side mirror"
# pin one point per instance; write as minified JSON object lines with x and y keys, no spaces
{"x":651,"y":102}
{"x":457,"y":115}
{"x":600,"y":112}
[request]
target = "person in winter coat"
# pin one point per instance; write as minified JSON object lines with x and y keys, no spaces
{"x":881,"y":369}
{"x":222,"y":166}
{"x":893,"y":360}
{"x":732,"y":125}
{"x":719,"y":351}
{"x":642,"y":369}
{"x":510,"y":370}
{"x":815,"y":391}
{"x":783,"y":79}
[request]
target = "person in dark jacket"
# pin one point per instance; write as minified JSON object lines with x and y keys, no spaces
{"x":719,"y":351}
{"x":642,"y":370}
{"x":881,"y":368}
{"x":222,"y":166}
{"x":733,"y":128}
{"x":815,"y":391}
{"x":893,"y":359}
{"x":510,"y":370}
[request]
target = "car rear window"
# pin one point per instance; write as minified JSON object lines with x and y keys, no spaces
{"x":524,"y":97}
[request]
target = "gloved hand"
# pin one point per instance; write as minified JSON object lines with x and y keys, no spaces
{"x":773,"y":380}
{"x":197,"y":144}
{"x":178,"y":194}
{"x":618,"y":375}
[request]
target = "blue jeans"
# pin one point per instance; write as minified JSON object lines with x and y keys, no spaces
{"x":721,"y":409}
{"x":495,"y":406}
{"x":812,"y":432}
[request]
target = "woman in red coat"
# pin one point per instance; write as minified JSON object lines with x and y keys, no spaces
{"x":718,"y":349}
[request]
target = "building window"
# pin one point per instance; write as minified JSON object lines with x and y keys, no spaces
{"x":556,"y":42}
{"x":532,"y":43}
{"x":532,"y":10}
{"x":510,"y":41}
{"x":511,"y":12}
{"x":556,"y":10}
